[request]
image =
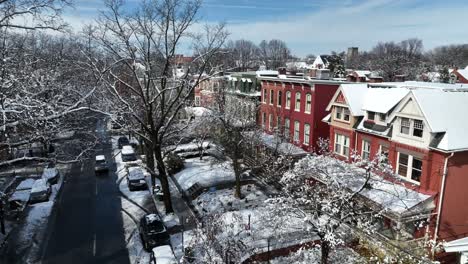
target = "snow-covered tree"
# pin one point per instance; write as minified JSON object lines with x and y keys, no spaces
{"x":137,"y":73}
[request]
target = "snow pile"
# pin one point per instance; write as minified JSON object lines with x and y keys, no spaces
{"x":312,"y":255}
{"x":206,"y":173}
{"x":223,"y":200}
{"x":285,"y":148}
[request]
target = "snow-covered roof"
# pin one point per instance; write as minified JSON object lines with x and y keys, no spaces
{"x":100,"y":158}
{"x":463,"y":73}
{"x":49,"y":173}
{"x":136,"y":173}
{"x":459,"y":245}
{"x":284,"y":148}
{"x":40,"y":185}
{"x":445,"y":112}
{"x":362,"y":73}
{"x":150,"y":218}
{"x":164,"y":255}
{"x":266,"y":72}
{"x":354,"y":96}
{"x":198,"y":111}
{"x":382,"y":100}
{"x":421,"y":85}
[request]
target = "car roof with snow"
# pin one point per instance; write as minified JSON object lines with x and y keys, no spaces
{"x":126,"y":150}
{"x":100,"y":158}
{"x":25,"y":184}
{"x":39,"y":185}
{"x":49,"y":173}
{"x":135,"y":172}
{"x":150,"y":218}
{"x":164,"y":255}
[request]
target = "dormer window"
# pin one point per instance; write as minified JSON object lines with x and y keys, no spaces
{"x":371,"y":115}
{"x":414,"y":125}
{"x":382,"y":117}
{"x":342,"y":113}
{"x":418,"y":128}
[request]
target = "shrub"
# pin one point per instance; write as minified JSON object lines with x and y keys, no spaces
{"x":174,"y":163}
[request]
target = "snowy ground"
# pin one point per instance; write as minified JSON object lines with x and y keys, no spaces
{"x":207,"y":172}
{"x":221,"y":201}
{"x":312,"y":255}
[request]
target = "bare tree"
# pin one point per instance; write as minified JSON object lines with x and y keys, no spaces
{"x":244,"y":53}
{"x":142,"y":48}
{"x":274,"y":53}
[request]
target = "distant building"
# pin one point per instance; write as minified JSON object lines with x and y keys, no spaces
{"x":364,"y":76}
{"x":459,"y":75}
{"x":321,"y":62}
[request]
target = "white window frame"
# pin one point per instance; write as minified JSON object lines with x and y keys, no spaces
{"x":272,"y":97}
{"x":297,"y":102}
{"x":412,"y":125}
{"x":297,"y":130}
{"x":264,"y":96}
{"x":278,"y":123}
{"x":197,"y":100}
{"x":366,"y":149}
{"x":288,"y":100}
{"x":343,"y":142}
{"x":409,"y":168}
{"x":343,"y":111}
{"x":308,"y":106}
{"x":264,"y":120}
{"x":306,"y":134}
{"x":279,"y":97}
{"x":287,"y":127}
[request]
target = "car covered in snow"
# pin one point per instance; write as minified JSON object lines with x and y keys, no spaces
{"x":136,"y":178}
{"x":101,"y":164}
{"x":51,"y":175}
{"x":40,"y":191}
{"x":128,"y":154}
{"x":163,"y":255}
{"x":153,"y":233}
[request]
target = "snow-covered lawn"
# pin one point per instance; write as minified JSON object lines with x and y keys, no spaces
{"x":207,"y":172}
{"x":312,"y":255}
{"x":221,"y":201}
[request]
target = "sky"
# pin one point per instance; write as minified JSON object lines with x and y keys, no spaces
{"x":321,"y":26}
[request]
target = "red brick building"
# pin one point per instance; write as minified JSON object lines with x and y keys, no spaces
{"x":294,"y":108}
{"x":459,"y":75}
{"x":416,"y":128}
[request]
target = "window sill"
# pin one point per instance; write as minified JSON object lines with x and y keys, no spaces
{"x":409,"y":137}
{"x":307,"y":112}
{"x":409,"y":180}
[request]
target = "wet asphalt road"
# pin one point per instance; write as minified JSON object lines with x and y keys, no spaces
{"x":88,"y":226}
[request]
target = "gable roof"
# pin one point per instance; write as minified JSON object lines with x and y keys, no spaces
{"x":463,"y":73}
{"x":382,"y":100}
{"x":354,"y":96}
{"x":445,"y":112}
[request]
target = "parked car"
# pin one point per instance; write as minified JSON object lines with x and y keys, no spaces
{"x":40,"y":191}
{"x":136,"y":179}
{"x":152,"y":232}
{"x":163,"y":255}
{"x":128,"y":154}
{"x":51,"y":175}
{"x":101,"y":164}
{"x":123,"y":141}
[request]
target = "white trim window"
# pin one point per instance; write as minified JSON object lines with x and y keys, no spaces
{"x":409,"y":167}
{"x":296,"y":131}
{"x":288,"y":100}
{"x":278,"y":123}
{"x":366,"y":149}
{"x":342,"y":113}
{"x":272,"y":96}
{"x":297,"y":106}
{"x":308,"y":106}
{"x":270,"y":122}
{"x":342,"y":145}
{"x":384,"y":152}
{"x":264,"y":120}
{"x":197,"y":100}
{"x":264,"y":95}
{"x":286,"y":127}
{"x":280,"y":96}
{"x":306,"y":134}
{"x":411,"y":127}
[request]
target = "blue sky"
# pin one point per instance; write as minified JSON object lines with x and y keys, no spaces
{"x":320,"y":26}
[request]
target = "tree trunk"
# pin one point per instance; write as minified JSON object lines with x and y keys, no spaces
{"x":236,"y":165}
{"x":150,"y":162}
{"x":163,"y":177}
{"x":325,"y":248}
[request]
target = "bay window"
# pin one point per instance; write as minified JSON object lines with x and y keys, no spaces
{"x":342,"y":145}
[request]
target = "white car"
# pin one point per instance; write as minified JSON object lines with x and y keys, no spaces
{"x":128,"y":154}
{"x":163,"y":255}
{"x":40,"y":191}
{"x":101,"y":164}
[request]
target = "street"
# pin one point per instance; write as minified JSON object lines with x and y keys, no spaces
{"x":88,"y":227}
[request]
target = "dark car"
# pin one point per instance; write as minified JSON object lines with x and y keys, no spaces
{"x":123,"y":141}
{"x":136,"y":179}
{"x":152,"y":232}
